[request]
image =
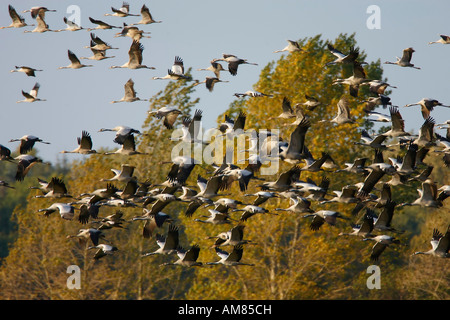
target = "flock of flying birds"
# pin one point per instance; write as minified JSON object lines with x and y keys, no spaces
{"x":371,"y":199}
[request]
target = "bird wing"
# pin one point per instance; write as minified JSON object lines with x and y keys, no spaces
{"x":237,"y":233}
{"x":236,"y":254}
{"x":297,"y":139}
{"x":371,"y":180}
{"x":172,"y":238}
{"x":335,"y":52}
{"x":444,"y":242}
{"x":13,"y":14}
{"x":286,"y":105}
{"x":169,"y":119}
{"x":407,"y":55}
{"x":85,"y":141}
{"x":396,"y":119}
{"x":377,"y":249}
{"x":426,"y":130}
{"x":178,"y":67}
{"x":194,"y":125}
{"x":35,"y":90}
{"x":316,"y":222}
{"x":135,"y":52}
{"x":72,"y":57}
{"x":221,"y":253}
{"x":358,"y":70}
{"x":129,"y":89}
{"x":83,"y":217}
{"x":239,"y":123}
{"x":192,"y":254}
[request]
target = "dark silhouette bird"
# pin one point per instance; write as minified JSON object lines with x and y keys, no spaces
{"x":233,"y":62}
{"x":27,"y":143}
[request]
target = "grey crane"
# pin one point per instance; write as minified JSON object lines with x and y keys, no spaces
{"x":311,"y":103}
{"x":262,"y":196}
{"x":324,"y":216}
{"x":358,"y":77}
{"x":405,"y":60}
{"x":209,"y":187}
{"x":152,"y":221}
{"x":230,"y":259}
{"x":17,"y":20}
{"x":287,"y":111}
{"x":91,"y":234}
{"x":103,"y":250}
{"x":383,"y":222}
{"x":215,"y":67}
{"x":56,"y":188}
{"x":292,"y":46}
{"x":346,"y":195}
{"x":253,"y":94}
{"x":130,"y":94}
{"x":364,"y":229}
{"x":101,"y":25}
{"x":378,"y":117}
{"x":27,"y":143}
{"x":250,"y":211}
{"x":397,"y":124}
{"x":342,"y":58}
{"x":373,"y":142}
{"x":41,"y":26}
{"x":233,"y":62}
{"x":440,"y":244}
{"x":379,"y":100}
{"x":98,"y":44}
{"x":215,"y":217}
{"x":74,"y":62}
{"x":123,"y":175}
{"x":32,"y":95}
{"x":97,"y":54}
{"x":426,"y":106}
{"x":24,"y":164}
{"x":122,"y":132}
{"x":209,"y":82}
{"x":71,"y":26}
{"x":377,"y":86}
{"x":382,"y":242}
{"x":84,"y":144}
{"x":147,"y":17}
{"x":135,"y":58}
{"x":232,"y":237}
{"x":132,"y":32}
{"x":343,"y":113}
{"x":35,"y":11}
{"x":186,"y":258}
{"x":298,"y":205}
{"x":167,"y":244}
{"x":284,"y":181}
{"x":176,"y":72}
{"x":66,"y":210}
{"x":428,"y":196}
{"x":357,"y":166}
{"x":295,"y":151}
{"x":123,"y":11}
{"x":127,"y":147}
{"x":444,"y":39}
{"x":30,"y":72}
{"x":169,"y":114}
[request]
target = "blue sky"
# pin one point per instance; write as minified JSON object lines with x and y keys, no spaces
{"x":199,"y":31}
